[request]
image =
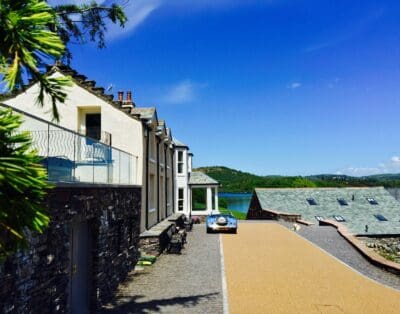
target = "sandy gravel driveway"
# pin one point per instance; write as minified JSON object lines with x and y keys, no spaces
{"x":270,"y":269}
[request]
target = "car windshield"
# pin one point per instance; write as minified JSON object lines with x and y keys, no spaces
{"x":221,"y":215}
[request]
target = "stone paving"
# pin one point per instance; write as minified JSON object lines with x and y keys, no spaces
{"x":186,"y":283}
{"x":331,"y":241}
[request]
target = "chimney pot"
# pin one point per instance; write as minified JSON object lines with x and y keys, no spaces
{"x":120,"y":96}
{"x":129,"y":96}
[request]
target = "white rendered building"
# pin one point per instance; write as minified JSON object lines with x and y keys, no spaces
{"x":196,"y":194}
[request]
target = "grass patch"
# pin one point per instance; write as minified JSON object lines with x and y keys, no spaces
{"x":236,"y":214}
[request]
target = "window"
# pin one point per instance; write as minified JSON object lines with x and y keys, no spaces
{"x":339,"y":218}
{"x":93,"y":125}
{"x":342,"y":202}
{"x":380,"y":217}
{"x":372,"y":201}
{"x":311,"y":201}
{"x":180,"y":199}
{"x":180,"y":162}
{"x":319,"y":218}
{"x":152,"y":193}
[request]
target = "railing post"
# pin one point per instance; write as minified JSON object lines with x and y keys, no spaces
{"x":93,"y":161}
{"x":74,"y":164}
{"x":48,"y":148}
{"x":119,"y":165}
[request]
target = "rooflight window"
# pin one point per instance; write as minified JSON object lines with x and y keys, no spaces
{"x":342,"y":202}
{"x":319,"y":218}
{"x":380,"y":217}
{"x":311,"y":201}
{"x":372,"y":201}
{"x":339,"y":218}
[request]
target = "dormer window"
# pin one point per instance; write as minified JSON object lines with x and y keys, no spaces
{"x":180,"y":161}
{"x":93,"y":125}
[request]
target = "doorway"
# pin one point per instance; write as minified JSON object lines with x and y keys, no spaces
{"x":80,"y":268}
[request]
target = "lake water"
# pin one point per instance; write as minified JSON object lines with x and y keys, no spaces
{"x":237,"y":201}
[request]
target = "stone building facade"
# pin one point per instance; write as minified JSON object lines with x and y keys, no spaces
{"x":58,"y":273}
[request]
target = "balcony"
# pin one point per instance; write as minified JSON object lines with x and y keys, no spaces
{"x":73,"y":158}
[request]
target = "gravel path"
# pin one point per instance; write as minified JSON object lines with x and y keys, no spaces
{"x":186,"y":283}
{"x":270,"y":269}
{"x":331,"y":241}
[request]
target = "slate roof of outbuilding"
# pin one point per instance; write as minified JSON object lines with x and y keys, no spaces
{"x":358,"y":213}
{"x":199,"y":178}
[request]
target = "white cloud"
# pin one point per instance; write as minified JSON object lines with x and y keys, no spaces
{"x":137,"y":12}
{"x":181,"y":93}
{"x":391,"y":166}
{"x":294,"y":85}
{"x":354,"y":28}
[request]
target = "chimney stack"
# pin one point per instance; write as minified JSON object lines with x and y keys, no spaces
{"x":129,"y":96}
{"x":120,"y":96}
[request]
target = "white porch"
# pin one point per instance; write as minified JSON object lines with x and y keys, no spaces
{"x":203,"y":194}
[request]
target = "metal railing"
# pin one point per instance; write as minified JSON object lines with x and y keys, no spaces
{"x":72,"y":157}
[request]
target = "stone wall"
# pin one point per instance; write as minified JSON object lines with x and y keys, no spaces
{"x":37,"y":280}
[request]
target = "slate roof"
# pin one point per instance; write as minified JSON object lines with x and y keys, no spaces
{"x":178,"y":143}
{"x":143,"y":112}
{"x":358,"y":213}
{"x":199,"y":178}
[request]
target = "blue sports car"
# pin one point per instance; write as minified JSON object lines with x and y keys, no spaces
{"x":221,"y":222}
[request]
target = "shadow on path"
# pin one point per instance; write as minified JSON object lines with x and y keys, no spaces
{"x":131,"y":304}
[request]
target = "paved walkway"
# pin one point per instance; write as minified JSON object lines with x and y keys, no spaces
{"x":186,"y":283}
{"x":270,"y":269}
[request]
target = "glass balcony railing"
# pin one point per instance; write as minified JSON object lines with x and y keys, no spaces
{"x":71,"y":157}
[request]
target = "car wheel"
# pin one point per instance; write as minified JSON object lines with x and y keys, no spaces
{"x":208,"y":230}
{"x":234,"y":231}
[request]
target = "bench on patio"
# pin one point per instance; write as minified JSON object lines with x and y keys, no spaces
{"x":158,"y":238}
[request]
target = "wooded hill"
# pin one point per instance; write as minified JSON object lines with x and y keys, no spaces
{"x":237,"y":181}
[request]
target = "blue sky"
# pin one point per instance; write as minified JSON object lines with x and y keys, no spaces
{"x":290,"y":87}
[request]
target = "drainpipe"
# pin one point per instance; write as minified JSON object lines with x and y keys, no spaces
{"x":158,"y":180}
{"x":166,"y":180}
{"x":173,"y":178}
{"x":147,"y":174}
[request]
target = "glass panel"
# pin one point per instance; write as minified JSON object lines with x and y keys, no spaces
{"x":101,"y":161}
{"x":125,"y":169}
{"x":60,"y":159}
{"x":115,"y":165}
{"x":85,"y":159}
{"x":311,"y":201}
{"x":70,"y":157}
{"x":342,"y":202}
{"x":372,"y":201}
{"x":380,"y":217}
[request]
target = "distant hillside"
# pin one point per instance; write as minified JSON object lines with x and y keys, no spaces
{"x":237,"y":181}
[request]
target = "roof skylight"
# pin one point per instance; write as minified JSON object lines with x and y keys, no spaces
{"x":372,"y":201}
{"x":380,"y":217}
{"x":339,"y":218}
{"x":342,"y":202}
{"x":312,"y":201}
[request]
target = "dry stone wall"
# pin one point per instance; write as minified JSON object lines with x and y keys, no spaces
{"x":37,"y":280}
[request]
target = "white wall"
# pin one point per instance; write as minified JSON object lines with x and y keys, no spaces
{"x":126,"y":131}
{"x":182,"y":181}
